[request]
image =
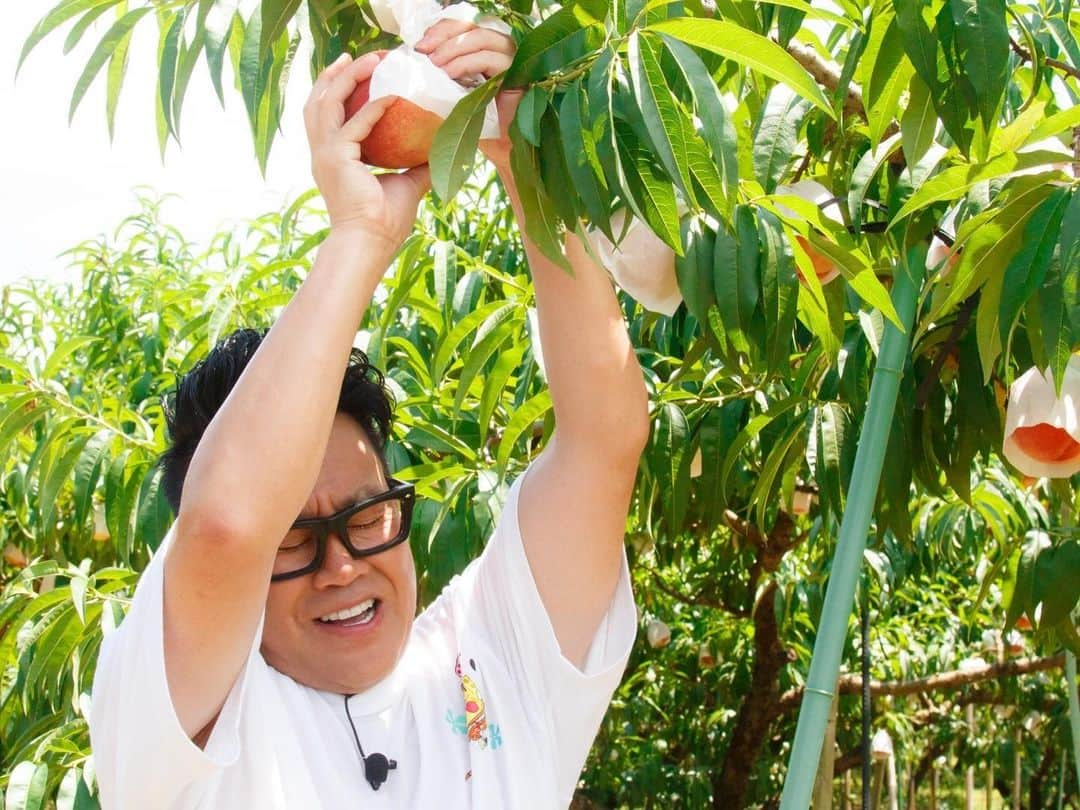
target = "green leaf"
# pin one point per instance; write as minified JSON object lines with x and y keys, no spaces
{"x":540,"y":225}
{"x":716,"y":125}
{"x":865,"y":171}
{"x":651,"y":194}
{"x":529,"y":112}
{"x":185,"y":66}
{"x":1057,"y":582}
{"x":87,"y":471}
{"x":56,"y":475}
{"x":988,"y":241}
{"x":462,"y":329}
{"x":783,"y":453}
{"x":669,"y":450}
{"x":252,"y":69}
{"x":84,"y":23}
{"x":1023,"y":600}
{"x":889,"y":78}
{"x":114,"y":78}
{"x":1027,"y":270}
{"x":753,"y":428}
{"x":663,"y":121}
{"x":523,"y":419}
{"x":779,"y":289}
{"x":582,"y":161}
{"x":981,"y":39}
{"x":776,"y":135}
{"x":109,"y":43}
{"x":60,"y":14}
{"x":52,"y":651}
{"x":1056,"y":124}
{"x":918,"y":124}
{"x":554,"y":173}
{"x":62,"y":352}
{"x":220,"y":21}
{"x":276,"y":15}
{"x":475,"y":360}
{"x":735,"y":276}
{"x":453,"y":152}
{"x":561,"y":39}
{"x":748,"y":49}
{"x":915,"y":20}
{"x":153,"y":514}
{"x":27,"y":786}
{"x":953,"y":182}
{"x":168,"y":53}
{"x":693,"y":269}
{"x":495,"y":385}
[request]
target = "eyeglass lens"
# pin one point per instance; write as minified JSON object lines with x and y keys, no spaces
{"x":370,"y":527}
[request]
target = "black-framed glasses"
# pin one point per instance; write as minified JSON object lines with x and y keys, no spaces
{"x":368,"y":527}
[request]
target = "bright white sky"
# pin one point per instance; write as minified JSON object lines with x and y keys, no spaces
{"x":61,"y":185}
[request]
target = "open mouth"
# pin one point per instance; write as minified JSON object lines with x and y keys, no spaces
{"x":360,"y":614}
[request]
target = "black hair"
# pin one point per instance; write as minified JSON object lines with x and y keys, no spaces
{"x":201,"y":391}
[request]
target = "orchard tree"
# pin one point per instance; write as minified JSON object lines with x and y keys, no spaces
{"x":788,"y":167}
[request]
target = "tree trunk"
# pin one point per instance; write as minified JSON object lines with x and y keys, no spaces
{"x":1035,"y":787}
{"x":731,"y":785}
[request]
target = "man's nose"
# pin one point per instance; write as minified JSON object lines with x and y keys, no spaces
{"x":338,"y":566}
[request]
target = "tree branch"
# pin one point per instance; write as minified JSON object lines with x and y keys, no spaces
{"x":696,"y":599}
{"x":852,"y":684}
{"x":1054,"y":63}
{"x":827,"y":75}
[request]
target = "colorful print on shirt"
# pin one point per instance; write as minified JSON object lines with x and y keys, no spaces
{"x":474,"y":723}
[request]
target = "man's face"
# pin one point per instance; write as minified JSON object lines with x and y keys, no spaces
{"x":345,"y":656}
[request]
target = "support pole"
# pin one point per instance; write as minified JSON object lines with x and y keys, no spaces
{"x":1074,"y":709}
{"x":840,"y":594}
{"x":1018,"y":771}
{"x":1061,"y":778}
{"x":969,"y":774}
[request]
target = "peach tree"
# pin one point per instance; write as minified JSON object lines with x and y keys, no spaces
{"x":939,"y":137}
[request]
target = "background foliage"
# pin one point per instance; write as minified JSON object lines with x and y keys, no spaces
{"x":915,"y":116}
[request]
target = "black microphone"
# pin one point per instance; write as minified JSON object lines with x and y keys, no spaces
{"x":377,"y":768}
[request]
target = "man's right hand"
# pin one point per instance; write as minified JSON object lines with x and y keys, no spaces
{"x":381,"y":206}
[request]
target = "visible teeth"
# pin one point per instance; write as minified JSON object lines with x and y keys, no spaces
{"x":348,"y":613}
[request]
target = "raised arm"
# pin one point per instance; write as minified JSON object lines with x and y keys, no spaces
{"x":259,"y":458}
{"x":574,"y":503}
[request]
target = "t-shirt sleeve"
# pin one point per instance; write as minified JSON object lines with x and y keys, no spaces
{"x":142,"y":756}
{"x":507,"y":609}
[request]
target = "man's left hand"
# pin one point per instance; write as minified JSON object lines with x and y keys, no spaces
{"x":469,"y":53}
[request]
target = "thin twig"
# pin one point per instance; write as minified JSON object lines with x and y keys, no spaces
{"x":697,"y":600}
{"x":1054,"y":63}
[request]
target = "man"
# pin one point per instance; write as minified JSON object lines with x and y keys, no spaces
{"x":264,"y":663}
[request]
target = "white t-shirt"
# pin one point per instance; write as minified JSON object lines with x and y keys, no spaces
{"x":485,"y":643}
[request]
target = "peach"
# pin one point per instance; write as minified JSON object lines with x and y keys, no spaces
{"x":658,"y":634}
{"x":1046,"y":442}
{"x":1042,"y":429}
{"x":812,"y":191}
{"x":14,"y":556}
{"x":402,"y":138}
{"x":824,"y":267}
{"x":941,"y":256}
{"x":641,"y":264}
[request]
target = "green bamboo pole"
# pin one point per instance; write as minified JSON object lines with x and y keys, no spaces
{"x":840,"y":595}
{"x":1074,"y":709}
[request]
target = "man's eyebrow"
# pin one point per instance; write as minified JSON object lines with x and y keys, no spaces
{"x":361,"y":494}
